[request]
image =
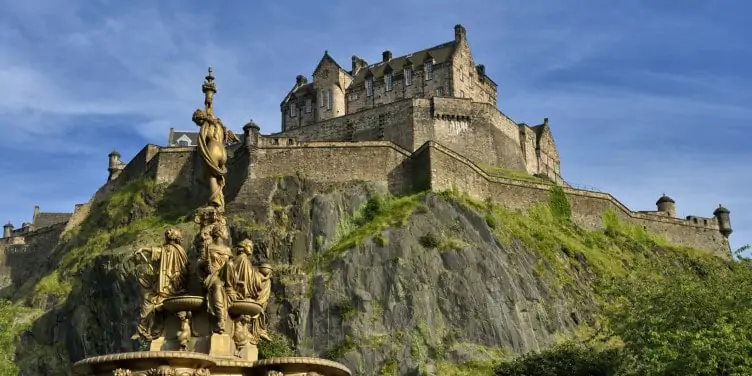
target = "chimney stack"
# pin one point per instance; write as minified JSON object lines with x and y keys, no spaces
{"x":301,"y":80}
{"x":459,"y":33}
{"x":386,"y":56}
{"x":357,"y":64}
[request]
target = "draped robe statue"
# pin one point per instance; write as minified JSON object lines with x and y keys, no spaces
{"x":167,"y":279}
{"x":215,"y":254}
{"x":213,"y":137}
{"x":251,"y":284}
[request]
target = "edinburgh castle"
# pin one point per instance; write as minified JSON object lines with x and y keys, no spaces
{"x":427,"y":120}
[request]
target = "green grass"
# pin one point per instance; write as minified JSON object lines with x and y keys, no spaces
{"x":14,"y":319}
{"x":378,"y":214}
{"x":140,"y":210}
{"x":547,"y":228}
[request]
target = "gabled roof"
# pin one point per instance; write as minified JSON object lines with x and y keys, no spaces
{"x":327,"y":57}
{"x":440,"y":54}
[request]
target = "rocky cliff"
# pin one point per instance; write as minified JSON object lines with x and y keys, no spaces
{"x":433,"y":283}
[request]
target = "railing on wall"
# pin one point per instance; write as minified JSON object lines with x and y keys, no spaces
{"x":584,"y":187}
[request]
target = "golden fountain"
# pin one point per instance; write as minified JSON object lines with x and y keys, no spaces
{"x":203,"y":310}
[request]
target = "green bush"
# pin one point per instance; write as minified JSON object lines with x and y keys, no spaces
{"x":568,"y":359}
{"x":278,"y":347}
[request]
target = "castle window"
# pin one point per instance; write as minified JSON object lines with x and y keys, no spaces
{"x":429,"y":70}
{"x":408,"y":76}
{"x":462,"y":75}
{"x":470,"y":80}
{"x":369,"y":86}
{"x":329,"y":99}
{"x":321,"y":98}
{"x":440,"y":91}
{"x":353,"y":96}
{"x":462,"y":93}
{"x":293,"y":110}
{"x":388,"y":81}
{"x":308,"y":105}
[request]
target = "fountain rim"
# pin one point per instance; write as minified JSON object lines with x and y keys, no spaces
{"x":87,"y":365}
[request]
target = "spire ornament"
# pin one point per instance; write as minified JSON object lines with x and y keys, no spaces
{"x":209,"y":89}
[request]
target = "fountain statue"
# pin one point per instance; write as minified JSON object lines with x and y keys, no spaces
{"x":203,"y":312}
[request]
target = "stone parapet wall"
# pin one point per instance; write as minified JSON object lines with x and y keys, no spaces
{"x":450,"y":170}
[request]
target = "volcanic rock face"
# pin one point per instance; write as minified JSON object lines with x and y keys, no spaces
{"x":381,"y":285}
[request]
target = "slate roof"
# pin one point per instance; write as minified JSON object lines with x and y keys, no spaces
{"x":193,"y":136}
{"x":303,"y":91}
{"x":48,"y":219}
{"x":440,"y":54}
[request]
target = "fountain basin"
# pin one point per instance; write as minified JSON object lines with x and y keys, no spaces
{"x":145,"y":362}
{"x":294,"y":366}
{"x":245,"y":307}
{"x":183,"y":303}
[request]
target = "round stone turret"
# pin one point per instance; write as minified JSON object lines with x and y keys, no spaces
{"x":666,"y":205}
{"x":723,"y":217}
{"x":115,"y":165}
{"x":7,"y":230}
{"x":251,"y":133}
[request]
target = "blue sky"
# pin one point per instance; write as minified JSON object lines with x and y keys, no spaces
{"x":644,"y":97}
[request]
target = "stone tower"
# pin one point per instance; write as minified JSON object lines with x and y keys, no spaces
{"x":115,"y":166}
{"x":7,"y":230}
{"x":723,"y":216}
{"x":666,"y":205}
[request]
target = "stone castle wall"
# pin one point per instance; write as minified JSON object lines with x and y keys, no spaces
{"x":18,"y":261}
{"x":450,"y":170}
{"x":432,"y":166}
{"x":474,"y":129}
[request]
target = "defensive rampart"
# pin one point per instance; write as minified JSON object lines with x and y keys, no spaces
{"x":449,"y":170}
{"x":432,"y":166}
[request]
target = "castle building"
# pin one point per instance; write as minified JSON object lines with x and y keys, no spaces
{"x":375,"y":102}
{"x":40,"y":221}
{"x":427,"y":120}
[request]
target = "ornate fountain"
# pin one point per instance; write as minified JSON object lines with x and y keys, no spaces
{"x":203,"y":310}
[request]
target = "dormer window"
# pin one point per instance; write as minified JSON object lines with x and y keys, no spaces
{"x":183,"y":143}
{"x":293,"y":110}
{"x":388,"y":79}
{"x":428,"y":67}
{"x":369,"y":86}
{"x":408,"y":76}
{"x":308,"y":105}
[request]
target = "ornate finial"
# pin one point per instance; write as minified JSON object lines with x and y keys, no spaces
{"x":209,"y":89}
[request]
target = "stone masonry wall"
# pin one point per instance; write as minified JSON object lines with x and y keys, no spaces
{"x":451,"y":170}
{"x":390,"y":123}
{"x":18,"y":261}
{"x":337,"y":162}
{"x":476,"y":130}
